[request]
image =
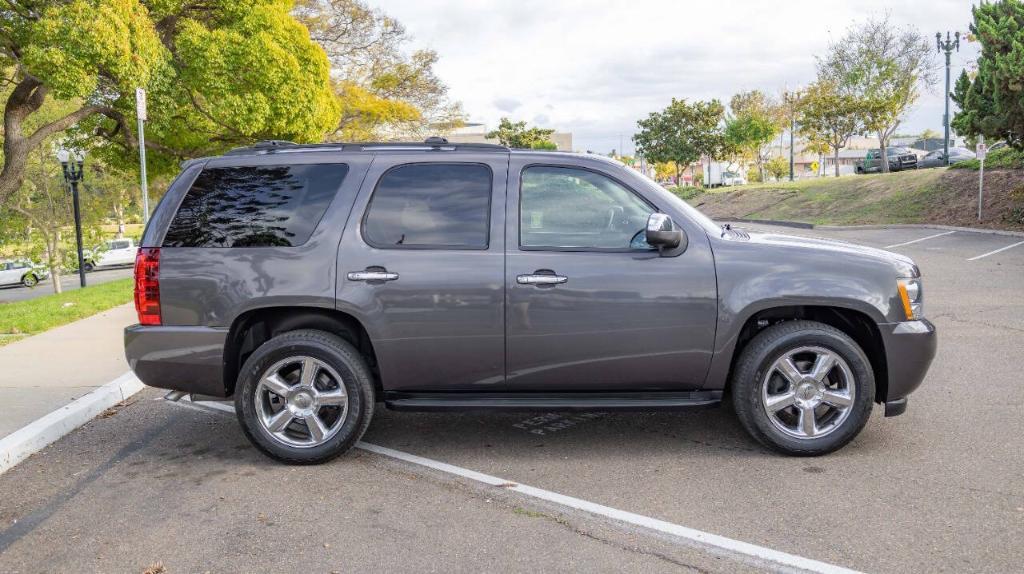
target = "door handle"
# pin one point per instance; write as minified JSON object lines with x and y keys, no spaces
{"x":372,"y":275}
{"x":541,"y":279}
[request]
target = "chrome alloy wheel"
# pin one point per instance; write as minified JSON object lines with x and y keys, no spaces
{"x":808,"y":392}
{"x":301,"y":402}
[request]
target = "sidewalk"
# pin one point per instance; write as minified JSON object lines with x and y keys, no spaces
{"x":47,"y":371}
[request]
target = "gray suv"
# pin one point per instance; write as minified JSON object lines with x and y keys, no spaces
{"x":311,"y":282}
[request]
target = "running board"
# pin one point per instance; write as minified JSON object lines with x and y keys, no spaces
{"x":550,"y":401}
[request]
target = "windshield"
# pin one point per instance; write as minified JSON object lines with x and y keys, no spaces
{"x":692,"y":212}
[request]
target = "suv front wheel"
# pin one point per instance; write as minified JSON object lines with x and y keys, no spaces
{"x":803,"y":388}
{"x":304,"y":397}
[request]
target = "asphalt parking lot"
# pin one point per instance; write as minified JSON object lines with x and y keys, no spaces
{"x":68,"y":282}
{"x":939,"y":489}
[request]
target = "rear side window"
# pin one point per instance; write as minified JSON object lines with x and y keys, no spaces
{"x":255,"y":206}
{"x":430,"y":205}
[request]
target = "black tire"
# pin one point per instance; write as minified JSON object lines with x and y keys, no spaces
{"x":88,"y":267}
{"x":339,"y":355}
{"x":758,"y":357}
{"x":30,"y":280}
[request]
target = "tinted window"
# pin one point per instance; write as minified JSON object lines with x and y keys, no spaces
{"x":254,"y":206}
{"x":430,"y":205}
{"x":574,"y":208}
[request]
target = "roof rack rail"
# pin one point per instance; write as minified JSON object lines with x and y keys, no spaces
{"x":434,"y":143}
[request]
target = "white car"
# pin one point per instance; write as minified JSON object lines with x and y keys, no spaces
{"x":21,"y":271}
{"x":117,"y":252}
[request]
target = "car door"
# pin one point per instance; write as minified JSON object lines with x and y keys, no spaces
{"x":7,"y":274}
{"x":591,"y":307}
{"x":422,"y":264}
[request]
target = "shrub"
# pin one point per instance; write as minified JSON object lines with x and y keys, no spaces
{"x":1007,"y":158}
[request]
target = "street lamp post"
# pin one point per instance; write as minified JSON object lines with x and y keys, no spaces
{"x":72,"y":165}
{"x":793,"y":98}
{"x":947,"y":46}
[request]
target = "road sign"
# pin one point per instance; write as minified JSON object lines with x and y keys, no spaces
{"x":981,"y":150}
{"x":140,"y":103}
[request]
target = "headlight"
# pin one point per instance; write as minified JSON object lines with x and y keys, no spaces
{"x":910,"y":294}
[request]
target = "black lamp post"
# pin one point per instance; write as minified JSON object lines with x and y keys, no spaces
{"x":72,"y":165}
{"x":793,"y":98}
{"x":947,"y":46}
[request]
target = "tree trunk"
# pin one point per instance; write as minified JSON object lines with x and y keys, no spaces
{"x":837,"y":161}
{"x":679,"y":175}
{"x":883,"y":155}
{"x":53,"y":258}
{"x":119,"y":215}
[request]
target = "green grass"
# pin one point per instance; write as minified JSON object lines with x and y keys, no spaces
{"x":1007,"y":158}
{"x":23,"y":318}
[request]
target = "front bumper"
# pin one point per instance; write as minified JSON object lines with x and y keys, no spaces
{"x":909,"y":349}
{"x":189,"y":359}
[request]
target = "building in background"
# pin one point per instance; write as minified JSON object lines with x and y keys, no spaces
{"x":477,"y":133}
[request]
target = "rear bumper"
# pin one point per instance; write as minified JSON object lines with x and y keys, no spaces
{"x":909,"y":349}
{"x":189,"y":359}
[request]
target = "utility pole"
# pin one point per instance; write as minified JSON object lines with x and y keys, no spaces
{"x":140,"y":113}
{"x":947,"y":46}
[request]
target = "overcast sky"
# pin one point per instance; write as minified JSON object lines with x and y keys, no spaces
{"x":594,"y":68}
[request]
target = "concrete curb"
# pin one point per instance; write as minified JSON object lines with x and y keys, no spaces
{"x":39,"y":434}
{"x":802,"y":225}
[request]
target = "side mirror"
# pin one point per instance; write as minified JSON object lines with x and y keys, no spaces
{"x":663,"y":233}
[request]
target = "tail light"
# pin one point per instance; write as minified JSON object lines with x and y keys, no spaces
{"x":147,"y":285}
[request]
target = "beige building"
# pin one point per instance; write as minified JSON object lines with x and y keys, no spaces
{"x":477,"y":133}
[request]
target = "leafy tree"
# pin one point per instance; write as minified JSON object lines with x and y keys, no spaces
{"x":384,"y":90}
{"x":517,"y":135}
{"x":218,"y":73}
{"x":544,"y":145}
{"x":883,"y":67}
{"x":682,"y":133}
{"x":930,"y":134}
{"x":992,"y":104}
{"x":753,"y":123}
{"x":828,"y":116}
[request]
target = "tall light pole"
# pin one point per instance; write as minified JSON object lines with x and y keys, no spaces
{"x":793,"y":98}
{"x":947,"y":46}
{"x":72,"y":164}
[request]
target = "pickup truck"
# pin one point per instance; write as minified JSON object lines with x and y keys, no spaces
{"x":900,"y":158}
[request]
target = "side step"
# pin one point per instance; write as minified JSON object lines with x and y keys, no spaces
{"x":550,"y":401}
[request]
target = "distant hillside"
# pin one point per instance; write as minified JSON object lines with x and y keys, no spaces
{"x":940,"y":196}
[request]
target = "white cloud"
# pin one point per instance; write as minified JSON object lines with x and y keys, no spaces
{"x":594,"y":70}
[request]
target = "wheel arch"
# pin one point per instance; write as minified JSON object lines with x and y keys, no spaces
{"x":857,"y":324}
{"x":257,"y":326}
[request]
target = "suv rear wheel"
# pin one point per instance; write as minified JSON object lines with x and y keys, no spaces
{"x":304,"y":397}
{"x":803,"y":388}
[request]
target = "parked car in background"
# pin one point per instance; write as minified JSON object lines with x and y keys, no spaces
{"x":117,"y":252}
{"x":900,"y":158}
{"x":310,"y":282}
{"x":22,"y":271}
{"x":937,"y":158}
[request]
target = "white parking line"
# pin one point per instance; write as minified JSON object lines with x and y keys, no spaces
{"x":760,"y":554}
{"x":1000,"y":250}
{"x":919,"y":240}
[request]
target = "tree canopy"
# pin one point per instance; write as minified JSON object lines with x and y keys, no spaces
{"x":829,"y":116}
{"x":754,"y":121}
{"x":682,"y":133}
{"x":219,"y":73}
{"x":884,"y":68}
{"x":384,"y":91}
{"x":517,"y":135}
{"x":992,"y":103}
